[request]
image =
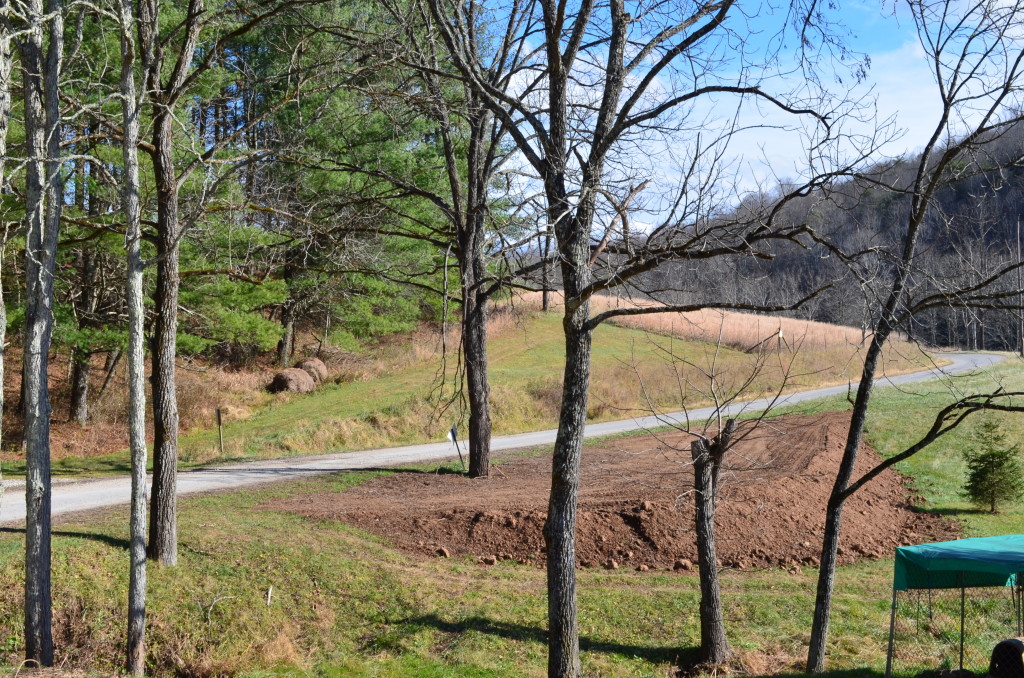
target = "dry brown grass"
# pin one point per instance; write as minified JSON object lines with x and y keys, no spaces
{"x":741,"y":331}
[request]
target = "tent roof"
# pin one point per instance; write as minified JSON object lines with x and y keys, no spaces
{"x":981,"y":561}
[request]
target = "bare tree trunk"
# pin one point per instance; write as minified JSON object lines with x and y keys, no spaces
{"x":560,"y":528}
{"x":80,"y":387}
{"x":136,"y":648}
{"x":475,"y":298}
{"x":164,"y":95}
{"x":44,"y":196}
{"x":545,"y":304}
{"x":707,"y":466}
{"x":6,"y":63}
{"x":85,"y":307}
{"x":163,"y":531}
{"x":286,"y":347}
{"x":834,"y":509}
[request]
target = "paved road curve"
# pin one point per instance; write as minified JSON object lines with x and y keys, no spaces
{"x":92,"y":494}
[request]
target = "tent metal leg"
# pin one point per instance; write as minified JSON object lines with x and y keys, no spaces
{"x":962,"y":601}
{"x":892,"y":636}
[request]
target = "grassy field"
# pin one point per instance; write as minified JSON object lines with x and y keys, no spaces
{"x":262,"y":593}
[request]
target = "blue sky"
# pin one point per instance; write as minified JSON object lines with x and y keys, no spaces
{"x":899,"y":84}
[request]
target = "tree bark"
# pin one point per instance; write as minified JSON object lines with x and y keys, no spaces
{"x":163,"y":530}
{"x":80,"y":387}
{"x":136,"y":641}
{"x":6,"y":64}
{"x":164,"y":96}
{"x":475,"y":299}
{"x":560,"y":527}
{"x":44,"y":197}
{"x":707,"y":465}
{"x":286,"y":346}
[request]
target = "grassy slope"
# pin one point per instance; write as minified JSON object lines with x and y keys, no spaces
{"x":344,"y":604}
{"x":526,"y":359}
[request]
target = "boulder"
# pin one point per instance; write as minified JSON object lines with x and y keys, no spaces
{"x":292,"y":380}
{"x":315,"y":368}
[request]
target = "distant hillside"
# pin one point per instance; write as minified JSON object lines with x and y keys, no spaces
{"x":971,"y":231}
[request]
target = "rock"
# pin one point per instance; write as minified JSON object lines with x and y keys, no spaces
{"x":444,"y":553}
{"x":642,"y":568}
{"x":611,"y":565}
{"x":314,"y":367}
{"x":683,"y":564}
{"x":647,"y":506}
{"x":292,"y":380}
{"x":489,"y":560}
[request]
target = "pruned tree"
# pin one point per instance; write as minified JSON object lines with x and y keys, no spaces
{"x":605,"y":83}
{"x":708,"y":456}
{"x":741,"y":401}
{"x":977,"y":61}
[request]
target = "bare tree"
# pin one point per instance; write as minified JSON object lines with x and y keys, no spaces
{"x":606,"y":83}
{"x":711,"y":440}
{"x":976,"y":58}
{"x":473,"y":146}
{"x":41,"y":47}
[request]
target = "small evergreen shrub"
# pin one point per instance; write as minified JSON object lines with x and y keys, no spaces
{"x":995,"y":470}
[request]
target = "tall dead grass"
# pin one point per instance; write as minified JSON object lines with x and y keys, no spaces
{"x":741,"y":331}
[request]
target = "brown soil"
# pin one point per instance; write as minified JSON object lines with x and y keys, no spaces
{"x":636,"y":508}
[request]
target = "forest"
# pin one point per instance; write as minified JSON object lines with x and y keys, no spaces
{"x":193,"y":182}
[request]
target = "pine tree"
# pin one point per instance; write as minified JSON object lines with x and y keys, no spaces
{"x":995,"y":470}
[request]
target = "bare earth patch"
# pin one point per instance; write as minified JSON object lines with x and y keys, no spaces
{"x":636,"y":508}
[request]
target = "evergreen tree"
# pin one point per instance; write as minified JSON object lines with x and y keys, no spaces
{"x":995,"y":470}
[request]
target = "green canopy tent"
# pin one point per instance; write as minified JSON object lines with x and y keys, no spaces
{"x":960,"y":564}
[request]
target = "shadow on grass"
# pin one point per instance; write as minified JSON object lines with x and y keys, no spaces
{"x":439,"y":471}
{"x":655,"y":655}
{"x":845,"y":673}
{"x":115,"y":542}
{"x":949,"y":512}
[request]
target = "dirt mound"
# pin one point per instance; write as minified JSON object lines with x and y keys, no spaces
{"x":292,"y":380}
{"x":636,"y":505}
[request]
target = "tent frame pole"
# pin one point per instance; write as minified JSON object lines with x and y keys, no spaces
{"x":1019,"y":602}
{"x":963,"y":596}
{"x":892,"y":636}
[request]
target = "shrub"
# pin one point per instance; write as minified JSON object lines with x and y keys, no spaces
{"x":995,"y":472}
